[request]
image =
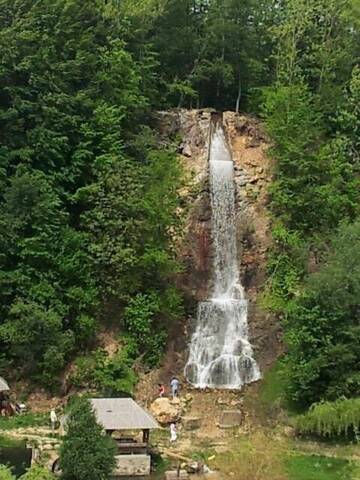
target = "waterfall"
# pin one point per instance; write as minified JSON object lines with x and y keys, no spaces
{"x":220,"y":353}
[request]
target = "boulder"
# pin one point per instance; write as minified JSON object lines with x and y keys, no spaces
{"x":188,"y":398}
{"x":165,"y":410}
{"x":186,"y":150}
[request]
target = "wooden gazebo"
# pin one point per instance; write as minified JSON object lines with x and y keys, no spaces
{"x":125,"y":415}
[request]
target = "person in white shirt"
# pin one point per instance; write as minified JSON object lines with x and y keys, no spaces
{"x":173,"y":433}
{"x":53,"y":420}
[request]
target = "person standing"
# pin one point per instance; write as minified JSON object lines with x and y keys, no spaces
{"x":161,"y":390}
{"x":53,"y":420}
{"x":173,"y":433}
{"x":174,"y":384}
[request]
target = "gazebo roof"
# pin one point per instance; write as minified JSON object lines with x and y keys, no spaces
{"x":122,"y":414}
{"x":4,"y":387}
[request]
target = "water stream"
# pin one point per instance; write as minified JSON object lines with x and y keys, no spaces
{"x":220,"y":353}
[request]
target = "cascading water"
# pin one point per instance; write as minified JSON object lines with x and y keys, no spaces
{"x":220,"y":353}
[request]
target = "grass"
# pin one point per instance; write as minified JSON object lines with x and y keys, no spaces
{"x":257,"y":457}
{"x":271,"y":457}
{"x":273,"y":386}
{"x":314,"y":467}
{"x":6,"y":442}
{"x":268,"y":401}
{"x":24,"y":421}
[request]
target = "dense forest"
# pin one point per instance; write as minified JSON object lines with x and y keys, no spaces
{"x":89,"y":202}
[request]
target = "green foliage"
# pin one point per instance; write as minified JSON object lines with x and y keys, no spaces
{"x":323,"y":327}
{"x":35,"y":333}
{"x":286,"y":266}
{"x":214,"y":55}
{"x":107,"y":375}
{"x":88,"y":204}
{"x":86,"y":453}
{"x":5,"y":473}
{"x":331,"y":419}
{"x":273,"y":388}
{"x":312,"y":119}
{"x":139,"y":319}
{"x":315,"y":184}
{"x":315,"y":44}
{"x":37,"y":473}
{"x":23,"y":421}
{"x":34,"y":473}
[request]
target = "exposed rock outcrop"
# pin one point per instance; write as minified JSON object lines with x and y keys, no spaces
{"x":166,"y":410}
{"x":253,"y":168}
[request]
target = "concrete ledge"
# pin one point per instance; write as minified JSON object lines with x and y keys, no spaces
{"x":173,"y":475}
{"x":132,"y":465}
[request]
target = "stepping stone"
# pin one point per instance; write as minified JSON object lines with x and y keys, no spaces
{"x":230,"y":418}
{"x":175,"y":475}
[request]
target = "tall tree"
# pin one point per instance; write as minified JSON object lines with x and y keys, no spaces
{"x":86,"y":453}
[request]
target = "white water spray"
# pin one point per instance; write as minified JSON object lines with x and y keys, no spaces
{"x":220,"y":353}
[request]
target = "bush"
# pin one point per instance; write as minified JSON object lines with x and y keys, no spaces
{"x":331,"y":419}
{"x":87,"y":453}
{"x":37,"y":473}
{"x":35,"y":339}
{"x":109,"y":376}
{"x":5,"y":473}
{"x":139,"y":319}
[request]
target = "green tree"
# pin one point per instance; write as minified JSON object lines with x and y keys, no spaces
{"x":86,"y":453}
{"x":323,"y":326}
{"x":77,"y":166}
{"x":316,"y":43}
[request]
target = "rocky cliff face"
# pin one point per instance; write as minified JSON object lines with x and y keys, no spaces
{"x":252,"y":176}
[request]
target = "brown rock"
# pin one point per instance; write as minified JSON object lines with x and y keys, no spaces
{"x":165,"y":410}
{"x":186,"y":151}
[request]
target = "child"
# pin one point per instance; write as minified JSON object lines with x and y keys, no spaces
{"x":161,"y":390}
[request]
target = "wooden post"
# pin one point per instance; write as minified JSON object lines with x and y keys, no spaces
{"x":146,"y":435}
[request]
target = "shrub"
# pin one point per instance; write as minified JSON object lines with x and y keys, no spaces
{"x":330,"y":419}
{"x":109,"y":376}
{"x":37,"y":473}
{"x":5,"y":473}
{"x":140,"y":319}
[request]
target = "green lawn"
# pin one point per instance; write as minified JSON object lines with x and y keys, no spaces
{"x":10,"y":442}
{"x":314,"y":467}
{"x":24,"y":421}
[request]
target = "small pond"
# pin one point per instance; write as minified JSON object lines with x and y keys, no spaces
{"x":18,"y":458}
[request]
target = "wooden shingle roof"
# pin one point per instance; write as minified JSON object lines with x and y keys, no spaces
{"x":4,"y":387}
{"x":122,"y":414}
